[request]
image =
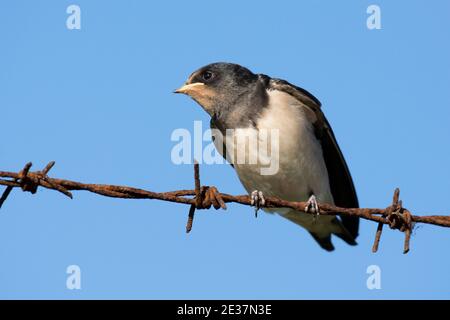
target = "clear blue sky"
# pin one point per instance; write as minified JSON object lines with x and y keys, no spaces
{"x":98,"y":101}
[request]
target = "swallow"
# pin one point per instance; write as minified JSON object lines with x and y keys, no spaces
{"x":311,"y":166}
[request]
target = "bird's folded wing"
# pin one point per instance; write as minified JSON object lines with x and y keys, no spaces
{"x":341,"y":183}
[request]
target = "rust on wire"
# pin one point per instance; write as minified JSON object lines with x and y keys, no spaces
{"x":203,"y":197}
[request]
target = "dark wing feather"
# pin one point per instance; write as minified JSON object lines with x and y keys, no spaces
{"x":215,"y":126}
{"x":341,"y":183}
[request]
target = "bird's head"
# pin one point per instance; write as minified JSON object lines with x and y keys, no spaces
{"x":218,"y":85}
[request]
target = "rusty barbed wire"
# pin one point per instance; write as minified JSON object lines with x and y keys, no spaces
{"x":203,"y":197}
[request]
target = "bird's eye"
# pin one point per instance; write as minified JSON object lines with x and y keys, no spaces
{"x":207,"y":75}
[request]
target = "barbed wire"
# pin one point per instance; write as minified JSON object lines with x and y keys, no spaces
{"x":204,"y":197}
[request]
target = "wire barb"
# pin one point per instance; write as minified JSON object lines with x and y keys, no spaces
{"x":377,"y":237}
{"x":190,"y":218}
{"x":205,"y":197}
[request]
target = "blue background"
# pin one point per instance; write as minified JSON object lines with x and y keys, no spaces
{"x":98,"y":101}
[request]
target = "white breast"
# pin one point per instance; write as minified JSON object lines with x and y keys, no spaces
{"x":302,"y":169}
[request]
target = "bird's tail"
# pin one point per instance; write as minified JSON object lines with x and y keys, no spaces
{"x":321,"y":228}
{"x":323,"y":241}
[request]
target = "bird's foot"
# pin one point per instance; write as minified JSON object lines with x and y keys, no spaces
{"x":257,"y":200}
{"x":312,"y":205}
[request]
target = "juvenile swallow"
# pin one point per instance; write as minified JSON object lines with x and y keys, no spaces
{"x":311,"y":168}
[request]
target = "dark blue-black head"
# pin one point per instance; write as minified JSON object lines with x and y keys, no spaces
{"x":219,"y":85}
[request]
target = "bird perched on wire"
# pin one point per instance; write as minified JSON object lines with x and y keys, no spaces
{"x":310,"y":168}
